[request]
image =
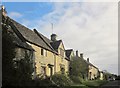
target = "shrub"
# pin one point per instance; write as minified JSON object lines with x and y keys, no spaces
{"x":76,"y":79}
{"x":16,"y":69}
{"x":42,"y":83}
{"x":61,"y":80}
{"x":78,"y":67}
{"x":118,"y":77}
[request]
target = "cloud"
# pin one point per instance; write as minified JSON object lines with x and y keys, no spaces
{"x":15,"y":15}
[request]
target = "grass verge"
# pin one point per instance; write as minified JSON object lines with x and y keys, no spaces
{"x":94,"y":83}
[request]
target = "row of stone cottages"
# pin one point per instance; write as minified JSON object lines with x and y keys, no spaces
{"x":49,"y":56}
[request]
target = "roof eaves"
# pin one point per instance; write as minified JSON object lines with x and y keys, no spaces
{"x":67,"y":58}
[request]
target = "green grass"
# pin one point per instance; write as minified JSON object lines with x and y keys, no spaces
{"x":94,"y":83}
{"x":79,"y":86}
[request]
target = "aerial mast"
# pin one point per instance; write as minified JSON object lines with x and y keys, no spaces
{"x":52,"y":27}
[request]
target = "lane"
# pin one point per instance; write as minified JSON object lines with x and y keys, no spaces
{"x":112,"y":84}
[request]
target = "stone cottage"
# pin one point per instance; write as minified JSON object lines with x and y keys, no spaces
{"x":92,"y":71}
{"x":48,"y":55}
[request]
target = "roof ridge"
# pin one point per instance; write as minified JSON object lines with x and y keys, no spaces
{"x":69,"y":50}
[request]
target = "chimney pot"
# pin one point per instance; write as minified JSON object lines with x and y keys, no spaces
{"x":87,"y":59}
{"x":81,"y":55}
{"x":4,"y":12}
{"x":77,"y":53}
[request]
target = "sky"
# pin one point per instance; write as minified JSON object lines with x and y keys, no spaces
{"x":89,"y":27}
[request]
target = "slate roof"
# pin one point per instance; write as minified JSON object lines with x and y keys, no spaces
{"x":56,"y":44}
{"x":45,"y":39}
{"x":68,"y":52}
{"x":90,"y":64}
{"x":30,"y":36}
{"x":16,"y":40}
{"x":21,"y":44}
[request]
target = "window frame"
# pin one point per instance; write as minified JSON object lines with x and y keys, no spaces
{"x":43,"y":52}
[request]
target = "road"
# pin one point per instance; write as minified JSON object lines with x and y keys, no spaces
{"x":112,"y":84}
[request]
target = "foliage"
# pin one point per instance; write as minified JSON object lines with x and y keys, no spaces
{"x":47,"y":83}
{"x":13,"y":76}
{"x":79,"y":67}
{"x":76,"y":79}
{"x":118,"y":77}
{"x":61,"y":80}
{"x":78,"y":86}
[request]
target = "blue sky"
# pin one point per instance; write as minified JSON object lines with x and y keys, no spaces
{"x":89,"y":27}
{"x":29,"y":10}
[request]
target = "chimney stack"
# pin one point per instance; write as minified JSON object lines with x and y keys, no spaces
{"x":81,"y":55}
{"x":4,"y":12}
{"x":77,"y":53}
{"x":53,"y":37}
{"x":87,"y":59}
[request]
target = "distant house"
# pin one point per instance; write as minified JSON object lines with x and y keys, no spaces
{"x":48,"y":55}
{"x":69,"y":53}
{"x":101,"y":75}
{"x":93,"y":71}
{"x":62,"y":62}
